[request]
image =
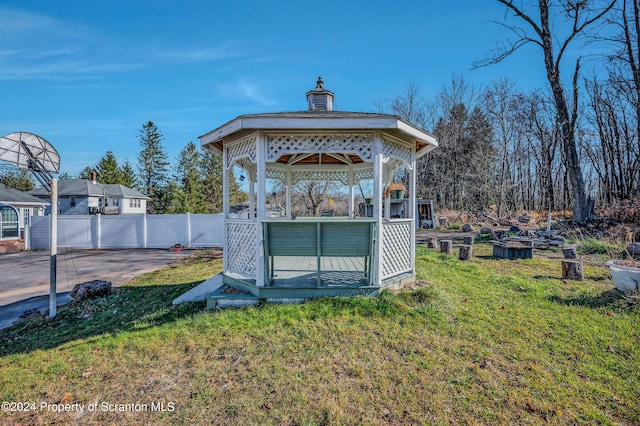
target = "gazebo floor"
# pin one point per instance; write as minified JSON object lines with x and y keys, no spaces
{"x":299,"y":271}
{"x":295,"y":278}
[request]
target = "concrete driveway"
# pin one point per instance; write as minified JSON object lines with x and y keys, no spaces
{"x":24,"y":276}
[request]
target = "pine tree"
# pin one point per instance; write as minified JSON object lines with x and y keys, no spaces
{"x":108,"y":170}
{"x":212,"y":181}
{"x":212,"y":169}
{"x":152,"y":165}
{"x":86,"y":173}
{"x":65,"y":176}
{"x":188,"y":177}
{"x":17,"y":179}
{"x":128,"y":175}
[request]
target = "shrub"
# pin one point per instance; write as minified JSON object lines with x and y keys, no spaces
{"x":594,"y":246}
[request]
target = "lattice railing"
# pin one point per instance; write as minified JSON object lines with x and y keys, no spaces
{"x":245,"y":148}
{"x":241,"y":248}
{"x":396,"y":248}
{"x":395,"y":149}
{"x":360,"y":144}
{"x":320,"y":176}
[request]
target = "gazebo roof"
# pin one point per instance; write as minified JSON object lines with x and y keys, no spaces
{"x":321,"y":120}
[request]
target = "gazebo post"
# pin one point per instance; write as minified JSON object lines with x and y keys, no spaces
{"x":262,"y":206}
{"x":225,"y":204}
{"x":289,"y":183}
{"x":351,"y":201}
{"x":378,"y":164}
{"x":411,"y":208}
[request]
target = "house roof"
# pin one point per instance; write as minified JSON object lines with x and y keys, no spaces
{"x":87,"y":188}
{"x":14,"y":196}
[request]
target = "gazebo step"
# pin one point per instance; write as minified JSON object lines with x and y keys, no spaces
{"x":229,"y":297}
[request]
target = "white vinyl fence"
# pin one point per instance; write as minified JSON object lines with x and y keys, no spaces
{"x":129,"y":231}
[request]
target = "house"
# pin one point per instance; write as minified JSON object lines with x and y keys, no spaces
{"x":25,"y":204}
{"x":83,"y":196}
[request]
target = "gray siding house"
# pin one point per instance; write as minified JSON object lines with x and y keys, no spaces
{"x":82,"y":197}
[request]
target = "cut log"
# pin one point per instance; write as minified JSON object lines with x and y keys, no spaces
{"x":466,"y":251}
{"x":572,"y":270}
{"x":468,"y":241}
{"x":569,"y":252}
{"x":432,"y":242}
{"x":446,"y":246}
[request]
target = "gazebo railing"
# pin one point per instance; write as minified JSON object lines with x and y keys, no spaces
{"x":396,"y":247}
{"x":241,"y":247}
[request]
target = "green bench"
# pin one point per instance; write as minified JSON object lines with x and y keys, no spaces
{"x":316,"y":239}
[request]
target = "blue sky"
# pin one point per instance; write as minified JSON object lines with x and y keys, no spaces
{"x":86,"y":75}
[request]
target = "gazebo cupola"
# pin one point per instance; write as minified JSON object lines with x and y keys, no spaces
{"x":320,"y":99}
{"x":286,"y":253}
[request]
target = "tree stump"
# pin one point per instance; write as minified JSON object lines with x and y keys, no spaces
{"x":572,"y":270}
{"x":569,"y":252}
{"x":468,"y":241}
{"x":432,"y":242}
{"x":466,"y":251}
{"x":446,"y":246}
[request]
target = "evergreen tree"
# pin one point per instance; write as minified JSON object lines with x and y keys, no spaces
{"x":65,"y":176}
{"x":108,"y":170}
{"x":212,"y":181}
{"x":17,"y":179}
{"x":128,"y":175}
{"x":212,"y":169}
{"x":86,"y":173}
{"x":171,"y":199}
{"x":152,"y":165}
{"x":188,"y":177}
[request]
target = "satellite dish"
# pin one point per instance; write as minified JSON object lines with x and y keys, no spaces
{"x":30,"y":152}
{"x":22,"y":148}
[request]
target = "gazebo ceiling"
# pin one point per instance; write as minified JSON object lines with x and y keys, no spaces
{"x":317,"y":159}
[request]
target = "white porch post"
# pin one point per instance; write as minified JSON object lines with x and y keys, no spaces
{"x":288,"y":185}
{"x":225,"y":206}
{"x":377,"y":207}
{"x":411,"y":209}
{"x":261,"y":159}
{"x":252,"y":194}
{"x":351,"y":198}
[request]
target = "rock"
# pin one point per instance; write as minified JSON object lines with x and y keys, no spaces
{"x":485,"y":230}
{"x":29,"y":312}
{"x":467,"y":228}
{"x":525,"y":218}
{"x":91,"y":290}
{"x":514,"y":228}
{"x":634,"y":249}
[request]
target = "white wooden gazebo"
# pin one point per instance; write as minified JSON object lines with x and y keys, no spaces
{"x":289,"y":257}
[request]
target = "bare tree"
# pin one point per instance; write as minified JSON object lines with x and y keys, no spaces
{"x":538,"y":30}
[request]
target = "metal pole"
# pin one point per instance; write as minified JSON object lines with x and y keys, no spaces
{"x":54,"y":248}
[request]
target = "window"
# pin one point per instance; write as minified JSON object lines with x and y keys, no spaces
{"x":116,"y":202}
{"x":73,"y":201}
{"x":8,"y":222}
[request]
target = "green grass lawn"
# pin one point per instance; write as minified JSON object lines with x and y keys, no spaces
{"x":479,"y":342}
